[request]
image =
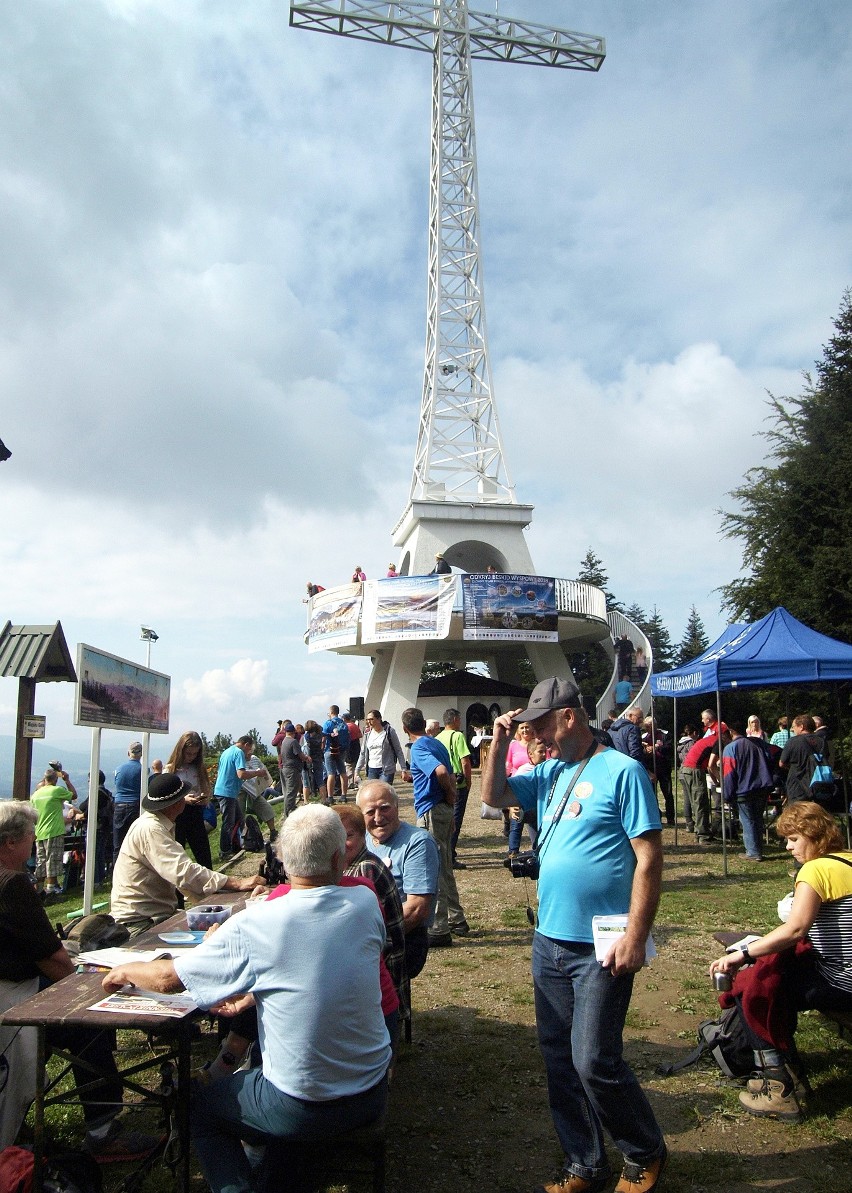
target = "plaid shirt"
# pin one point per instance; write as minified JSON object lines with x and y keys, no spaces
{"x":367,"y":865}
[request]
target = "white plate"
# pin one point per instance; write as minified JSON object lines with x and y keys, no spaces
{"x":178,"y":937}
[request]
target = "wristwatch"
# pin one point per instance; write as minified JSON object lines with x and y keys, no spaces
{"x":746,"y":954}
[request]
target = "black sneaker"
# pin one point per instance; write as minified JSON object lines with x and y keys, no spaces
{"x":457,"y":865}
{"x":440,"y":940}
{"x":461,"y":929}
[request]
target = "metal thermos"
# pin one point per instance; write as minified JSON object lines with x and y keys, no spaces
{"x":722,"y":982}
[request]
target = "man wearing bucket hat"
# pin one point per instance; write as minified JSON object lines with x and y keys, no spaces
{"x":600,"y":853}
{"x":151,"y":864}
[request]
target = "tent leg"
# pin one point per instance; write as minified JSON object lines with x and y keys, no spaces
{"x":722,"y":782}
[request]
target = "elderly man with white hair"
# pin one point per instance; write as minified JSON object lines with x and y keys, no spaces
{"x":310,"y":963}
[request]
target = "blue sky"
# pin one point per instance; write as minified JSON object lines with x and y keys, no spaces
{"x":212,"y":288}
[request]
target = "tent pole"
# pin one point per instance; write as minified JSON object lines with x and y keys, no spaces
{"x":843,"y":779}
{"x":722,"y":783}
{"x":676,"y":768}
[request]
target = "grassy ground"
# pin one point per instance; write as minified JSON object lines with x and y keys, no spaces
{"x":468,"y":1103}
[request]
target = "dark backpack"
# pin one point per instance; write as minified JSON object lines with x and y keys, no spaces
{"x":96,"y":931}
{"x":272,"y":869}
{"x":822,"y":778}
{"x":252,"y":836}
{"x":726,"y":1040}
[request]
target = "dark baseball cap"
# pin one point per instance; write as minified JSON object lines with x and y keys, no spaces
{"x":548,"y":695}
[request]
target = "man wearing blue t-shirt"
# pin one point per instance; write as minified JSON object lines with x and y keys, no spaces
{"x":434,"y":797}
{"x":600,"y":852}
{"x":128,"y":791}
{"x":412,"y":858}
{"x":232,"y":773}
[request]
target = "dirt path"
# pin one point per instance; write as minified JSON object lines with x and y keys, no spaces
{"x":468,"y":1104}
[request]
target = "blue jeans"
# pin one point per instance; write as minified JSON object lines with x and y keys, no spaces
{"x":247,"y":1106}
{"x":751,"y":808}
{"x":376,"y":772}
{"x":580,"y":1010}
{"x":232,"y":822}
{"x":459,"y":808}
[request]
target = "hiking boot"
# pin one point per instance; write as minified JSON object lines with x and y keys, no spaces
{"x":461,"y":929}
{"x":641,"y":1178}
{"x":440,"y":940}
{"x":569,"y":1182}
{"x":801,"y":1085}
{"x":774,"y":1097}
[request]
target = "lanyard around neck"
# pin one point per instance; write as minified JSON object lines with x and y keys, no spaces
{"x":557,"y":815}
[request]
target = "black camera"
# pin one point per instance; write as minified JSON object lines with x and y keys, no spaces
{"x":524,"y":865}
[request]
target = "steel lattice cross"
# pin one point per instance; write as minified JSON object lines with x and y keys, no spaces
{"x":459,"y":455}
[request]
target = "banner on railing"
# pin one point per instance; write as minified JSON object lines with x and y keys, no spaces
{"x":406,"y":608}
{"x":334,"y":617}
{"x":510,"y":607}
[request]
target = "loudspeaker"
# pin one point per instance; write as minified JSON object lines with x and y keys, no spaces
{"x":356,"y":708}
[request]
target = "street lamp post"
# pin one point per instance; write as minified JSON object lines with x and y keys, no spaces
{"x":147,"y":636}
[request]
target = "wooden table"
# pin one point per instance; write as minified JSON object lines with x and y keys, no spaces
{"x":66,"y":1004}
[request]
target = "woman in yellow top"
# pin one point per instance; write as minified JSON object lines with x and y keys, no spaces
{"x":820,"y":978}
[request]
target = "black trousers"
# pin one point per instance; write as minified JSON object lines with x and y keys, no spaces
{"x":191,"y":830}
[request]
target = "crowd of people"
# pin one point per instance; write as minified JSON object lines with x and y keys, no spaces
{"x":313,"y":979}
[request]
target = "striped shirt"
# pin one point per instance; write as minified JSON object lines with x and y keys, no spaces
{"x":831,"y":931}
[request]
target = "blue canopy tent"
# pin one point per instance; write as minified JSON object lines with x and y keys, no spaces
{"x":778,"y":649}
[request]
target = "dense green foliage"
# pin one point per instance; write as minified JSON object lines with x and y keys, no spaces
{"x":794,"y":514}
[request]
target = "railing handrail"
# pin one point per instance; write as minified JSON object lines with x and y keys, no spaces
{"x":620,"y":624}
{"x":573,"y":597}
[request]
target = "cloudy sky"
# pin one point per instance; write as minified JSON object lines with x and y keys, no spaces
{"x":212,"y":289}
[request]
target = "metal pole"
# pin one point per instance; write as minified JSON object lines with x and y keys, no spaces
{"x":92,"y":823}
{"x":843,"y":779}
{"x":721,"y":778}
{"x":676,"y":768}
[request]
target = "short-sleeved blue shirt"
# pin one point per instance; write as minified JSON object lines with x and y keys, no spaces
{"x":228,"y":782}
{"x":587,"y":861}
{"x":427,"y":754}
{"x":412,"y":857}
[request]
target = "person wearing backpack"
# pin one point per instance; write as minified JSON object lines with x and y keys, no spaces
{"x":335,"y":743}
{"x":798,"y":759}
{"x":803,"y":964}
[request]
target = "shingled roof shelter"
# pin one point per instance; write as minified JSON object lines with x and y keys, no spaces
{"x":33,"y":654}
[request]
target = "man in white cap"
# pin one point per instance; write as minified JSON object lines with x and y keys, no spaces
{"x":600,"y":853}
{"x":152,"y":865}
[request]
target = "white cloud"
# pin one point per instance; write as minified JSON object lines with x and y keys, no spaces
{"x":222,"y":690}
{"x":212,"y":292}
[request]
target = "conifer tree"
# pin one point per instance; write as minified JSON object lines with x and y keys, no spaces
{"x":794,"y":514}
{"x":694,"y":641}
{"x":661,"y":640}
{"x":592,"y":571}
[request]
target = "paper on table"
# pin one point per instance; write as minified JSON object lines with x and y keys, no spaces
{"x":147,"y":1002}
{"x":607,"y":929}
{"x":109,"y":958}
{"x":746,"y":940}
